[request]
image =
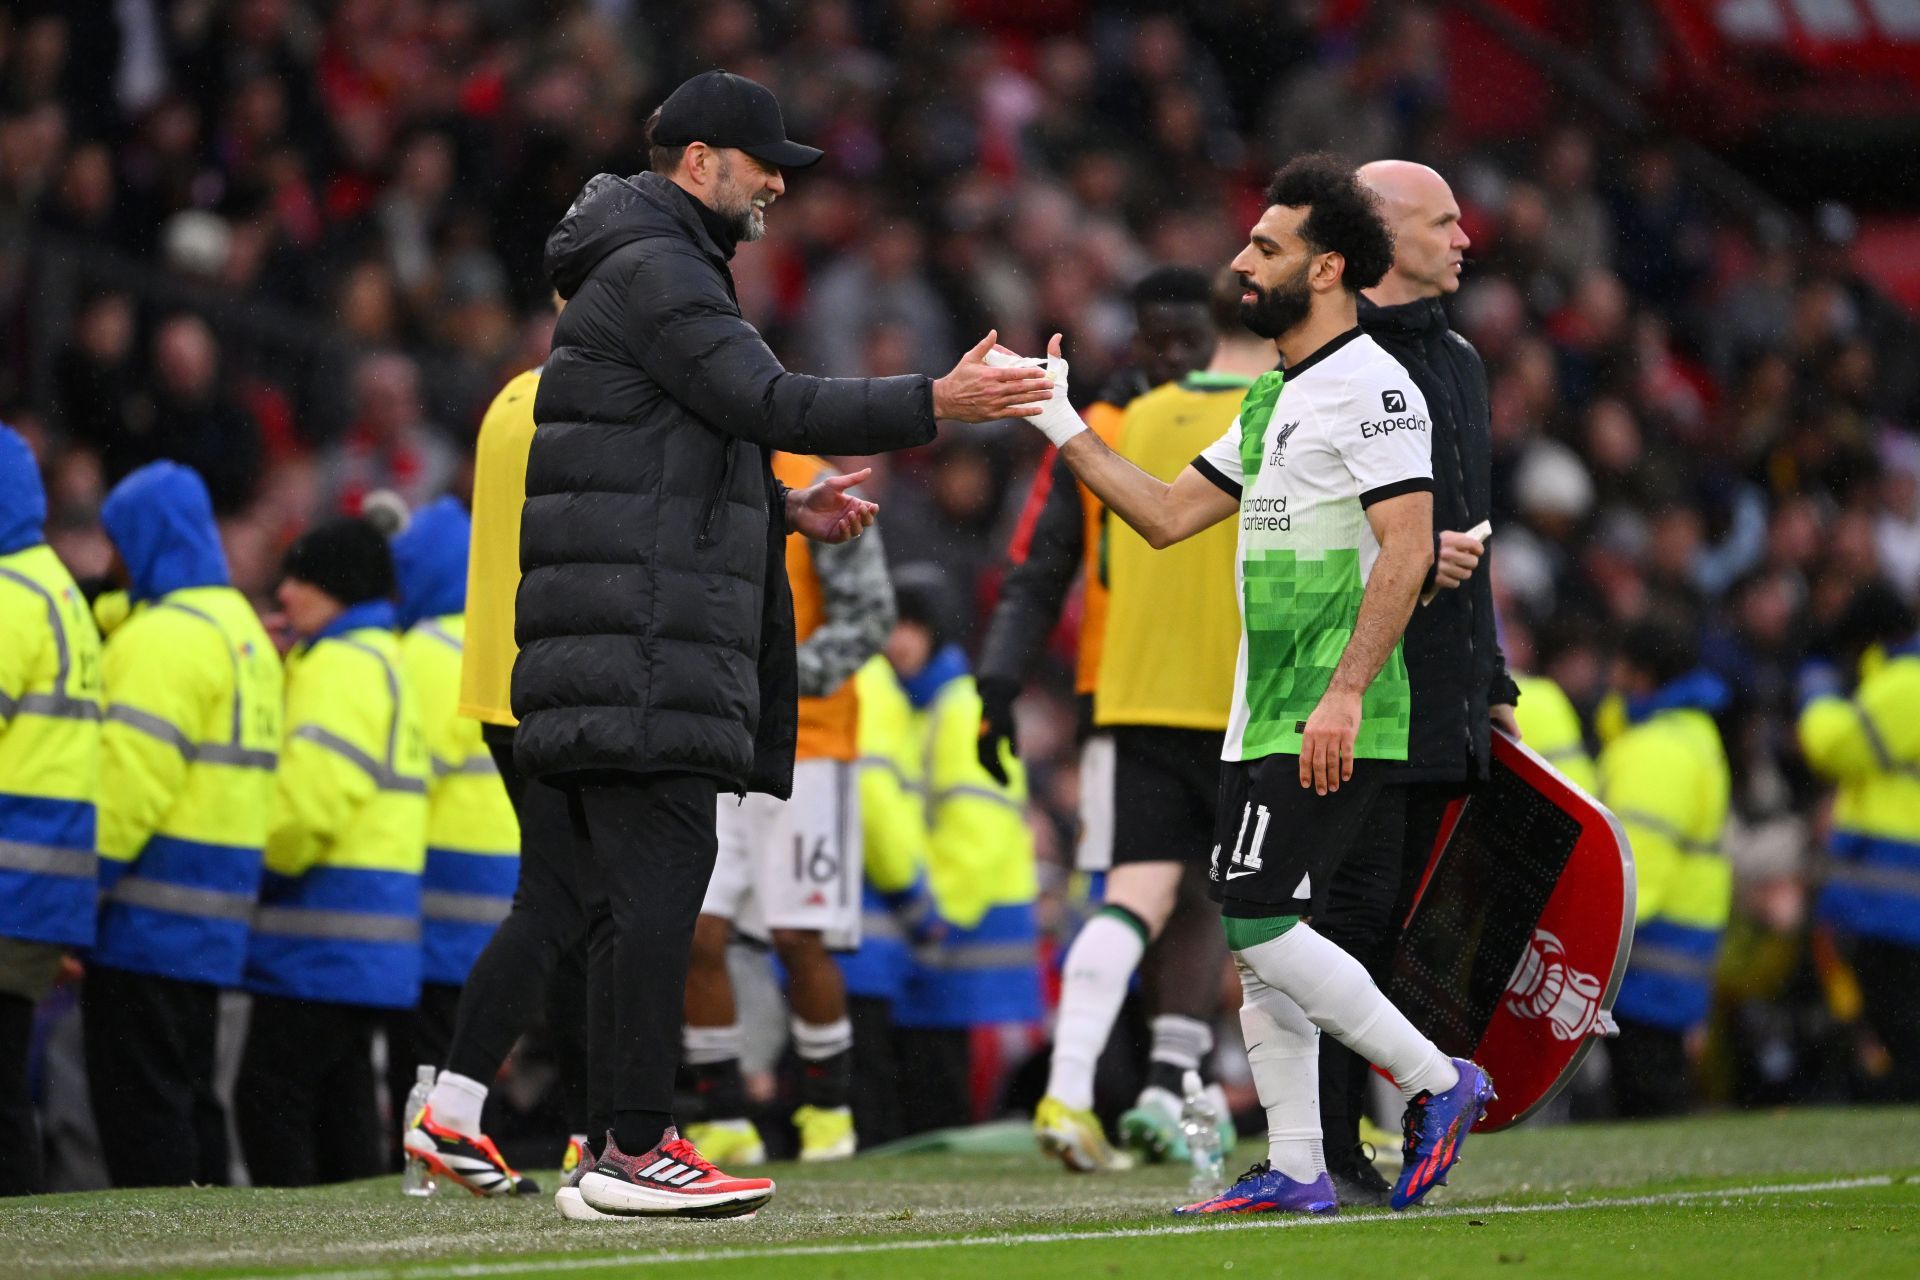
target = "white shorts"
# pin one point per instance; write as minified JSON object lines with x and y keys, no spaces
{"x":1094,"y":851}
{"x":792,"y":864}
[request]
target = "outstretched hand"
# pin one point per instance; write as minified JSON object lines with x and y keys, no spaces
{"x":1055,"y":417}
{"x":826,"y":512}
{"x":978,"y":392}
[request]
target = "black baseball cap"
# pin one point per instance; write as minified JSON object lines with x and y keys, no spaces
{"x":725,"y":110}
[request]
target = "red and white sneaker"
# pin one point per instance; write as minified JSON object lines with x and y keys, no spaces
{"x":673,"y":1180}
{"x":474,"y":1163}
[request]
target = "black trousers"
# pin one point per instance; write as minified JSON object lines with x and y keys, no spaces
{"x":305,"y":1102}
{"x":1889,"y":975}
{"x":1651,"y":1074}
{"x":1366,"y":901}
{"x":877,"y":1114}
{"x":650,"y":844}
{"x":150,"y":1075}
{"x":21,"y":1173}
{"x":536,"y":960}
{"x":939,"y":1063}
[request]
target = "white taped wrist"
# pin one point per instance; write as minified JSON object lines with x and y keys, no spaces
{"x":1057,"y":419}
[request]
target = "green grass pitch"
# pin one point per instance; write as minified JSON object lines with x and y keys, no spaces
{"x":1816,"y":1193}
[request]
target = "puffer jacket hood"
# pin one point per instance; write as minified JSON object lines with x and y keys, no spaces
{"x":430,"y":562}
{"x":612,"y":212}
{"x":161,"y":521}
{"x":23,"y":499}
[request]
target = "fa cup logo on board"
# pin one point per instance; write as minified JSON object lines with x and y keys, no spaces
{"x":1544,"y":987}
{"x":1393,"y":401}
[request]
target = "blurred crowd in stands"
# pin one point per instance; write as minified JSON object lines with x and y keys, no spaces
{"x":297,"y":243}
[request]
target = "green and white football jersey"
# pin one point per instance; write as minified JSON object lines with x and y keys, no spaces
{"x":1348,"y":430}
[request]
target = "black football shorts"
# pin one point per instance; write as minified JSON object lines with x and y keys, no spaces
{"x":1276,"y":843}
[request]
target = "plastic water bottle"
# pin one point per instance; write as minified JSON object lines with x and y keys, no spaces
{"x":418,"y":1179}
{"x":1201,"y":1129}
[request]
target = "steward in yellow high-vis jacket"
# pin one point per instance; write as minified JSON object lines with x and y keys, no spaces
{"x":1551,"y":727}
{"x":49,"y":772}
{"x":1665,"y":776}
{"x":192,"y":735}
{"x":896,"y":906}
{"x":948,"y":938}
{"x":473,"y":838}
{"x":337,"y":939}
{"x":806,"y":904}
{"x":984,"y":967}
{"x":1868,"y":744}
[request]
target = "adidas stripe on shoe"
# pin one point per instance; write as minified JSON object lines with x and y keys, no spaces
{"x":673,"y":1179}
{"x":474,"y":1163}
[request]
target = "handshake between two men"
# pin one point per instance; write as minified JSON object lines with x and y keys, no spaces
{"x":989,"y":382}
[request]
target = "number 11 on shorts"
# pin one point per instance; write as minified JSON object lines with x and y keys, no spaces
{"x":1245,"y":859}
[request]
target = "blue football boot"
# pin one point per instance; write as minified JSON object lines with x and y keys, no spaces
{"x":1261,"y":1190}
{"x":1434,"y":1128}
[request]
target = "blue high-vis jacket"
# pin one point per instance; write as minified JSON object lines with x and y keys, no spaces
{"x":192,"y":738}
{"x":49,"y":722}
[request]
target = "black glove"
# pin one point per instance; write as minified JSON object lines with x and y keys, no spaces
{"x":996,"y":724}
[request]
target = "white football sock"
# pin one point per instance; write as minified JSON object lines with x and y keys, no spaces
{"x":705,"y":1046}
{"x":456,"y":1102}
{"x":1181,"y":1042}
{"x":1283,"y":1050}
{"x":1336,"y":993}
{"x":816,"y":1042}
{"x":1099,"y":965}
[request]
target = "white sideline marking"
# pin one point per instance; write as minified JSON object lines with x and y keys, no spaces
{"x":445,"y":1271}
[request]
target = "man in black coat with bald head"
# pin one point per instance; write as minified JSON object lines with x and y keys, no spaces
{"x":1458,"y":675}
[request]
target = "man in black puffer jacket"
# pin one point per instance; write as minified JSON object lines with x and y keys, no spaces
{"x":1459,"y":677}
{"x":656,"y":666}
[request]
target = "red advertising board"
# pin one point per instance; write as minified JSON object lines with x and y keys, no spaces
{"x":1518,"y":938}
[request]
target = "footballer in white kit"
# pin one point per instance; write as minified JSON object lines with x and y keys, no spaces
{"x":788,"y":872}
{"x":792,"y":864}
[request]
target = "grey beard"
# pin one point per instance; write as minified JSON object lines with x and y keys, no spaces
{"x":747,"y":223}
